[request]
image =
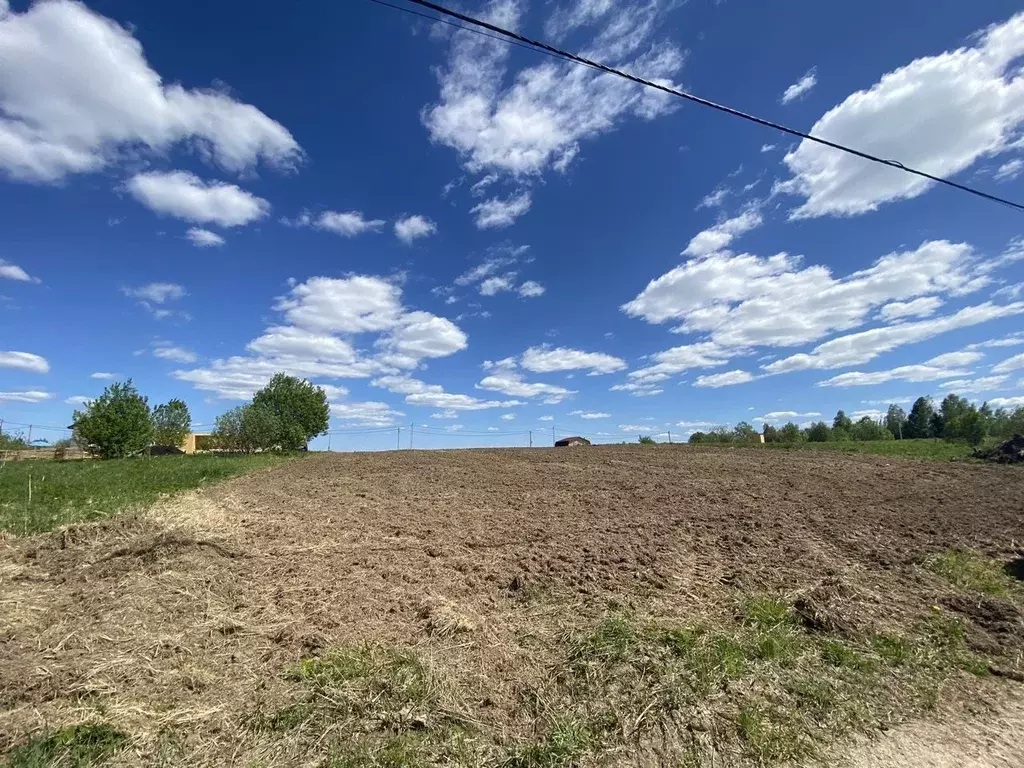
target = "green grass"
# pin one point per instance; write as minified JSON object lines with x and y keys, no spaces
{"x":939,"y":450}
{"x":972,"y":571}
{"x":66,"y":492}
{"x":77,"y":746}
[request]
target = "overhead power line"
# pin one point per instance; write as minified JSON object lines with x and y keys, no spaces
{"x":514,"y":38}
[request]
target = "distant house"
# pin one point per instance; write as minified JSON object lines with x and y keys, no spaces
{"x":565,"y":442}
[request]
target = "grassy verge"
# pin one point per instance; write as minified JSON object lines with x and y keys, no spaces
{"x":764,"y":690}
{"x":940,"y":450}
{"x":65,"y":492}
{"x":76,"y":746}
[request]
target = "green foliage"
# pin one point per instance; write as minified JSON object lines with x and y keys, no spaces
{"x":971,"y":571}
{"x":920,"y":423}
{"x":744,"y":433}
{"x":65,"y":492}
{"x":77,"y":746}
{"x":819,"y":432}
{"x":171,"y":423}
{"x":869,"y":429}
{"x":647,"y":440}
{"x":770,"y":433}
{"x":227,"y":430}
{"x":12,"y":441}
{"x":300,"y":407}
{"x":938,"y":450}
{"x":116,"y":424}
{"x":842,"y":421}
{"x":790,"y":433}
{"x":896,"y":421}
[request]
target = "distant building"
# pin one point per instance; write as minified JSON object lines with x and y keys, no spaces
{"x":565,"y":442}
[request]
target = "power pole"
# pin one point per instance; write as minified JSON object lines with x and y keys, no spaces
{"x":398,"y":446}
{"x":531,"y":438}
{"x":670,"y":437}
{"x":410,"y":435}
{"x":552,"y":434}
{"x":328,"y":442}
{"x":29,"y":435}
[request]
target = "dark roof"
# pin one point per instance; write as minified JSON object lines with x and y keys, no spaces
{"x":573,"y":439}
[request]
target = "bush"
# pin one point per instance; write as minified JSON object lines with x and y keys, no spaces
{"x":227,"y":431}
{"x":12,"y":441}
{"x":819,"y":432}
{"x":300,"y":408}
{"x":647,"y":440}
{"x":116,"y":424}
{"x":171,"y":424}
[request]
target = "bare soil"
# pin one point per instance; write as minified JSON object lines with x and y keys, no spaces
{"x":176,"y":622}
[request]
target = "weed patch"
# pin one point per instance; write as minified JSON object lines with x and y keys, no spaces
{"x":76,"y":746}
{"x":972,"y":571}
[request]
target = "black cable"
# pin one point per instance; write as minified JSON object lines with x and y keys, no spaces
{"x":515,"y":38}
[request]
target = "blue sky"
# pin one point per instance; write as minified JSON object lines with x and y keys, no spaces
{"x":456,"y":233}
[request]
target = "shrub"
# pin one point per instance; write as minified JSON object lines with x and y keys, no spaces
{"x":171,"y":423}
{"x":116,"y":424}
{"x":646,"y":440}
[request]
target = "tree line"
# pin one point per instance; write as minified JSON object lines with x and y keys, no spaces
{"x":955,"y":418}
{"x":283,"y":416}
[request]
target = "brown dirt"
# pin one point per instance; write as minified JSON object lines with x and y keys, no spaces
{"x":183,"y":617}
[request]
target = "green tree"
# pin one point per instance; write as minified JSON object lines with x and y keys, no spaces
{"x":869,"y":429}
{"x":647,"y":440}
{"x":842,"y":421}
{"x":116,"y":424}
{"x":952,"y":411}
{"x":819,"y":432}
{"x":896,"y":421}
{"x":771,"y":434}
{"x":745,"y":433}
{"x":973,"y":427}
{"x":790,"y":433}
{"x":919,"y":422}
{"x":227,"y":430}
{"x":261,"y":429}
{"x":171,"y":423}
{"x":697,"y":437}
{"x":300,"y":407}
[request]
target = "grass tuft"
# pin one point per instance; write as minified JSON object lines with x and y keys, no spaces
{"x":971,"y":571}
{"x":76,"y":746}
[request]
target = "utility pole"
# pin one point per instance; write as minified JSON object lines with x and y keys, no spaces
{"x":328,"y":442}
{"x":29,"y":435}
{"x":552,"y":434}
{"x":670,"y":437}
{"x":531,"y":438}
{"x":399,"y":443}
{"x":410,"y":435}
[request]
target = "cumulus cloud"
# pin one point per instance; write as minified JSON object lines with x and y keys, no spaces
{"x":511,"y":383}
{"x":938,"y":113}
{"x":497,"y":284}
{"x":590,"y":415}
{"x":29,"y":396}
{"x":980,"y":384}
{"x":344,"y":223}
{"x":168,"y":351}
{"x":433,"y":395}
{"x":411,"y":228}
{"x":9,"y":271}
{"x":722,"y":234}
{"x":941,"y":367}
{"x":1006,"y":402}
{"x":154,"y":297}
{"x":531,"y":289}
{"x":24,"y":361}
{"x":496,"y":213}
{"x":785,"y":416}
{"x":800,"y":87}
{"x":922,"y":307}
{"x":726,"y":379}
{"x":78,"y":400}
{"x":545,"y":359}
{"x":204,"y":238}
{"x":77,"y":94}
{"x":103,"y":375}
{"x":185,"y":196}
{"x":370,"y":413}
{"x":1014,"y":363}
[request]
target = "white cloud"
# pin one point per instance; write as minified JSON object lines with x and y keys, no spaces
{"x":508,"y":417}
{"x":1014,"y":363}
{"x":544,"y":359}
{"x":546,"y":418}
{"x":637,"y":389}
{"x":433,"y":395}
{"x":1006,"y":402}
{"x":30,"y":396}
{"x":898,"y":310}
{"x":204,"y":238}
{"x":346,"y":224}
{"x":720,"y":235}
{"x":342,"y":305}
{"x":767,"y":147}
{"x":800,"y":87}
{"x":1013,"y":340}
{"x":499,"y":257}
{"x":9,"y":271}
{"x":496,"y":213}
{"x":726,"y":379}
{"x":293,"y":342}
{"x":77,"y":95}
{"x":531,"y":289}
{"x":939,"y":114}
{"x":944,"y":366}
{"x":511,"y":383}
{"x":981,"y":384}
{"x":785,"y":416}
{"x":445,"y":415}
{"x":78,"y":400}
{"x":862,"y":347}
{"x":714,"y":198}
{"x":176,"y":354}
{"x":413,"y":227}
{"x":694,"y":424}
{"x":590,"y":415}
{"x":185,"y":196}
{"x":497,"y":284}
{"x":677,"y":360}
{"x":537,"y":121}
{"x":24,"y":361}
{"x":155,"y":293}
{"x":420,"y":335}
{"x":1009,"y":170}
{"x":368,"y":414}
{"x":103,"y":375}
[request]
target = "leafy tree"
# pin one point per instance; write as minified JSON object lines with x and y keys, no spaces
{"x":771,"y":434}
{"x":697,"y":437}
{"x":12,"y":441}
{"x":721,"y":434}
{"x":819,"y":432}
{"x":869,"y":429}
{"x":842,"y":421}
{"x":171,"y":423}
{"x":790,"y":433}
{"x":261,"y":429}
{"x":896,"y":421}
{"x":647,"y":440}
{"x":745,"y":433}
{"x":300,"y":407}
{"x":919,"y":423}
{"x":116,"y":424}
{"x":972,"y":427}
{"x":227,"y":430}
